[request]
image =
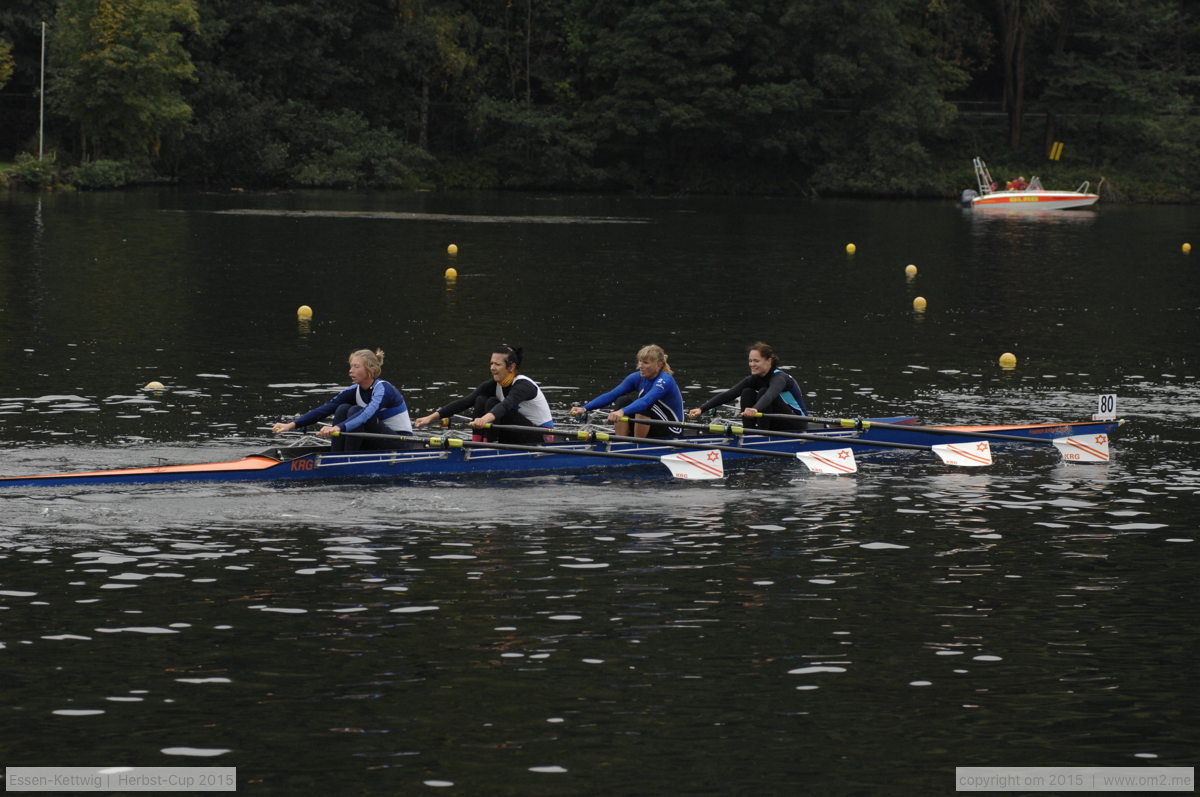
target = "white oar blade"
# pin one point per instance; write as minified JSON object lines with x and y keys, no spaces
{"x":975,"y":454}
{"x":830,"y":460}
{"x":695,"y":464}
{"x":1083,"y":447}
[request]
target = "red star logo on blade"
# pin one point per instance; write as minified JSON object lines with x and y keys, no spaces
{"x":1101,"y":439}
{"x":982,"y":446}
{"x":845,"y":452}
{"x":712,"y":455}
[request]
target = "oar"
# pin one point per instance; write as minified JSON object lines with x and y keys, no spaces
{"x":967,"y":455}
{"x":682,"y":466}
{"x":834,"y":461}
{"x":1074,"y":448}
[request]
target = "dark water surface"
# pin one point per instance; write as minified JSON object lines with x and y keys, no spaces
{"x":773,"y":633}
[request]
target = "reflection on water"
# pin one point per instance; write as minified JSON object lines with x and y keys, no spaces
{"x":597,"y":632}
{"x":440,"y":217}
{"x":538,"y":633}
{"x":1013,"y":217}
{"x":546,"y":634}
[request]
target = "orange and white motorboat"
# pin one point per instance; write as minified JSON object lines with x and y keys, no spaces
{"x":1030,"y":197}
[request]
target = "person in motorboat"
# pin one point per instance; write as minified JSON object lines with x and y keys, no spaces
{"x":768,"y":389}
{"x":649,"y":392}
{"x":509,"y":398}
{"x":370,"y":404}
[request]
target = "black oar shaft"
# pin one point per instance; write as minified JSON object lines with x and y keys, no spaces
{"x":859,"y":423}
{"x":454,"y":442}
{"x":377,"y":436}
{"x":605,"y":437}
{"x":832,"y":441}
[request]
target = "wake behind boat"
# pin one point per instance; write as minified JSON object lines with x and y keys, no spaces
{"x":701,"y":457}
{"x":1031,"y":197}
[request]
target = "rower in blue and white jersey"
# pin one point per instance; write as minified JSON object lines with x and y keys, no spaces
{"x":648,"y":392}
{"x":767,"y":389}
{"x":370,"y":404}
{"x":509,"y":398}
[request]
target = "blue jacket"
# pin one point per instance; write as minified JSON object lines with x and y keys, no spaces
{"x":660,"y":390}
{"x":382,"y":400}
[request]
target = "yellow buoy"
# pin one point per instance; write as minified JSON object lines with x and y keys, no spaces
{"x":919,"y":303}
{"x":910,"y":270}
{"x":1008,"y":360}
{"x":1187,"y":248}
{"x":452,"y":273}
{"x":452,"y":249}
{"x":304,"y":312}
{"x":153,"y":385}
{"x":851,"y":249}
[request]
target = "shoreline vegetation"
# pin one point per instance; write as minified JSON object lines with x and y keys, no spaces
{"x":806,"y":98}
{"x":28,"y":174}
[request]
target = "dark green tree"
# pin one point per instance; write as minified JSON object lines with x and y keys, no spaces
{"x":1128,"y":80}
{"x":305,"y":93}
{"x":1019,"y":22}
{"x":693,"y":94}
{"x":20,"y":26}
{"x":6,"y":62}
{"x":118,"y":66}
{"x":883,"y":75}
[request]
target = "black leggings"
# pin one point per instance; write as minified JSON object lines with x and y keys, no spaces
{"x":342,"y":443}
{"x":655,"y":429}
{"x":535,"y":436}
{"x":777,"y":407}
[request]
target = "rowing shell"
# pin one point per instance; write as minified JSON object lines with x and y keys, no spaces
{"x":315,"y":462}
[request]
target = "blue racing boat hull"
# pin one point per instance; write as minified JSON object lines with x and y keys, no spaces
{"x":317,"y":463}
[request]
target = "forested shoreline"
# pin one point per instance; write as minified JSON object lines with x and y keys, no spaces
{"x":788,"y":97}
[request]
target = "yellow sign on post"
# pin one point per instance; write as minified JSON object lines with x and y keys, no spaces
{"x":1056,"y":149}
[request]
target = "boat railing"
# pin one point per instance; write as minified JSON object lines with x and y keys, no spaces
{"x":1083,"y":187}
{"x":982,"y":177}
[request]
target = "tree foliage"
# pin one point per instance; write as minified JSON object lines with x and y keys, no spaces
{"x":788,"y":96}
{"x":6,"y":62}
{"x":1130,"y":75}
{"x":119,"y":66}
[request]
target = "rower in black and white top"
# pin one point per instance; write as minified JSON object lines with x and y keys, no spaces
{"x":509,"y":398}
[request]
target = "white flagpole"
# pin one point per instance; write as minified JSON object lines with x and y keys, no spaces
{"x":42,"y":97}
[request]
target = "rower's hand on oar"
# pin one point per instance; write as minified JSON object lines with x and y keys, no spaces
{"x":279,"y":428}
{"x":483,"y":420}
{"x":749,"y":412}
{"x":578,"y":410}
{"x":327,"y":431}
{"x":425,"y":420}
{"x":615,"y":416}
{"x":695,"y":412}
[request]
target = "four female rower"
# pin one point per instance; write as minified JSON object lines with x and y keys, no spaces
{"x":767,"y":390}
{"x":370,"y":405}
{"x":648,"y":392}
{"x":509,"y":398}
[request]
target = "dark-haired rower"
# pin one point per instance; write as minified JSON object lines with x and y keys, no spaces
{"x":509,"y":398}
{"x":767,"y":389}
